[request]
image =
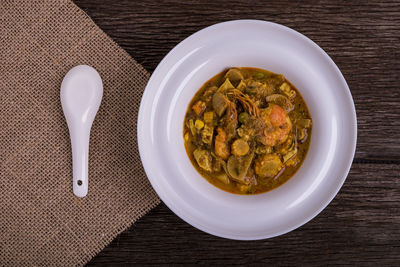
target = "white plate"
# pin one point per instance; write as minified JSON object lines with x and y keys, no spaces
{"x":258,"y":44}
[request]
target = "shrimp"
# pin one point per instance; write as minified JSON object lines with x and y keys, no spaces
{"x":278,"y":125}
{"x":221,"y":146}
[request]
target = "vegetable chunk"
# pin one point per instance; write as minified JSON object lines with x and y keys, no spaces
{"x":267,"y":165}
{"x":199,"y":107}
{"x":240,"y":147}
{"x":238,"y":167}
{"x":203,"y":158}
{"x":219,"y":103}
{"x":234,"y":75}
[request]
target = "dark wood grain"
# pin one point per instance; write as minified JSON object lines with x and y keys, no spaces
{"x":353,"y":229}
{"x":362,"y":224}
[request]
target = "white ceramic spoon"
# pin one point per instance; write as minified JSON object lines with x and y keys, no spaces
{"x":81,"y":94}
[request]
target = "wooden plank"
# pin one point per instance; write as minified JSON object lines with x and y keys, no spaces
{"x":362,"y":37}
{"x":360,"y":226}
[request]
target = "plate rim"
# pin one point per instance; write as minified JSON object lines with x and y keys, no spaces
{"x":352,"y":131}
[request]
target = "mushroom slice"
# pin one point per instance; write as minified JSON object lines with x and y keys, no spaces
{"x":282,"y":101}
{"x":237,"y":167}
{"x":234,"y":75}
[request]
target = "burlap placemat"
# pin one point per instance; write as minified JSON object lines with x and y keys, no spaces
{"x":42,"y":222}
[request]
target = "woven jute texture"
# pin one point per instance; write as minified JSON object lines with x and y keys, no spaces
{"x":41,"y":221}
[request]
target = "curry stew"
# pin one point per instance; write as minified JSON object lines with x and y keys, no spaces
{"x":247,"y":130}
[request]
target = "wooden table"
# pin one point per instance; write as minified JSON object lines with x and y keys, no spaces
{"x":362,"y":224}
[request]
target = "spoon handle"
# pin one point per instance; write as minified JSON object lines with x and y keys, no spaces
{"x":80,"y":135}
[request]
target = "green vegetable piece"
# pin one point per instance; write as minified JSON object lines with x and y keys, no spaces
{"x":192,"y":128}
{"x":225,"y":86}
{"x":223,"y":177}
{"x":234,"y":75}
{"x":260,"y":75}
{"x":282,"y":101}
{"x":237,"y":167}
{"x":241,"y":86}
{"x":203,"y":158}
{"x":208,"y":117}
{"x":301,"y":134}
{"x":207,"y":134}
{"x":290,"y":155}
{"x":219,"y":103}
{"x":305,"y":123}
{"x":285,"y":87}
{"x":243,"y":117}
